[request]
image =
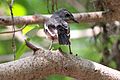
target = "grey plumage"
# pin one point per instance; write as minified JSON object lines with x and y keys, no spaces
{"x":57,"y":29}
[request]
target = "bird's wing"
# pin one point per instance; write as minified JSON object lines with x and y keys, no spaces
{"x":60,"y":22}
{"x":50,"y":26}
{"x":63,"y":35}
{"x":63,"y":31}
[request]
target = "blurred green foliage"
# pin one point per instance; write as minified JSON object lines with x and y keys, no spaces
{"x":84,"y":47}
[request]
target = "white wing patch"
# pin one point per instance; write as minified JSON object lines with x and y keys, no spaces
{"x":46,"y":28}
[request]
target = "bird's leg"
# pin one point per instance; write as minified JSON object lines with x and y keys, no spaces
{"x":70,"y":49}
{"x":60,"y":49}
{"x":50,"y":47}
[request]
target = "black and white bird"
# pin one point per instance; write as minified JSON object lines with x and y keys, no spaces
{"x":57,"y":29}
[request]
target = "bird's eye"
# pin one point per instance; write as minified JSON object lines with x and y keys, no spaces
{"x":67,"y":15}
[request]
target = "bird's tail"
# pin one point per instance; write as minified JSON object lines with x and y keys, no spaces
{"x":64,"y":39}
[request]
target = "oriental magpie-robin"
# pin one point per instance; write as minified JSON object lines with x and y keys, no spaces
{"x":57,"y":29}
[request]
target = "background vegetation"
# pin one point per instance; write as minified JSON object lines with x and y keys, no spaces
{"x":84,"y":46}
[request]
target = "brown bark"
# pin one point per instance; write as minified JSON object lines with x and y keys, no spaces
{"x":112,"y":14}
{"x":39,"y":19}
{"x":45,"y":63}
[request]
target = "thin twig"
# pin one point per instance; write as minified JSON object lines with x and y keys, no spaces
{"x":48,"y":6}
{"x":13,"y":31}
{"x":56,"y":4}
{"x":53,"y":5}
{"x":31,"y":46}
{"x":13,"y":39}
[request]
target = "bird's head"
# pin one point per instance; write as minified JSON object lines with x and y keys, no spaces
{"x":66,"y":15}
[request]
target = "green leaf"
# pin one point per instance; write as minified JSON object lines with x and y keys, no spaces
{"x":18,"y":10}
{"x":57,"y":77}
{"x":27,"y":29}
{"x":21,"y":50}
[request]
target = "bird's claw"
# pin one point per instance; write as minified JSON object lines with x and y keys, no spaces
{"x":60,"y":49}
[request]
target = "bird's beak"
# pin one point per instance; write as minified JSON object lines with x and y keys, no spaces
{"x":75,"y":20}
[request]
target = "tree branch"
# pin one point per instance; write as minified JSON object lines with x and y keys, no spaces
{"x":37,"y":19}
{"x":111,"y":15}
{"x":45,"y":63}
